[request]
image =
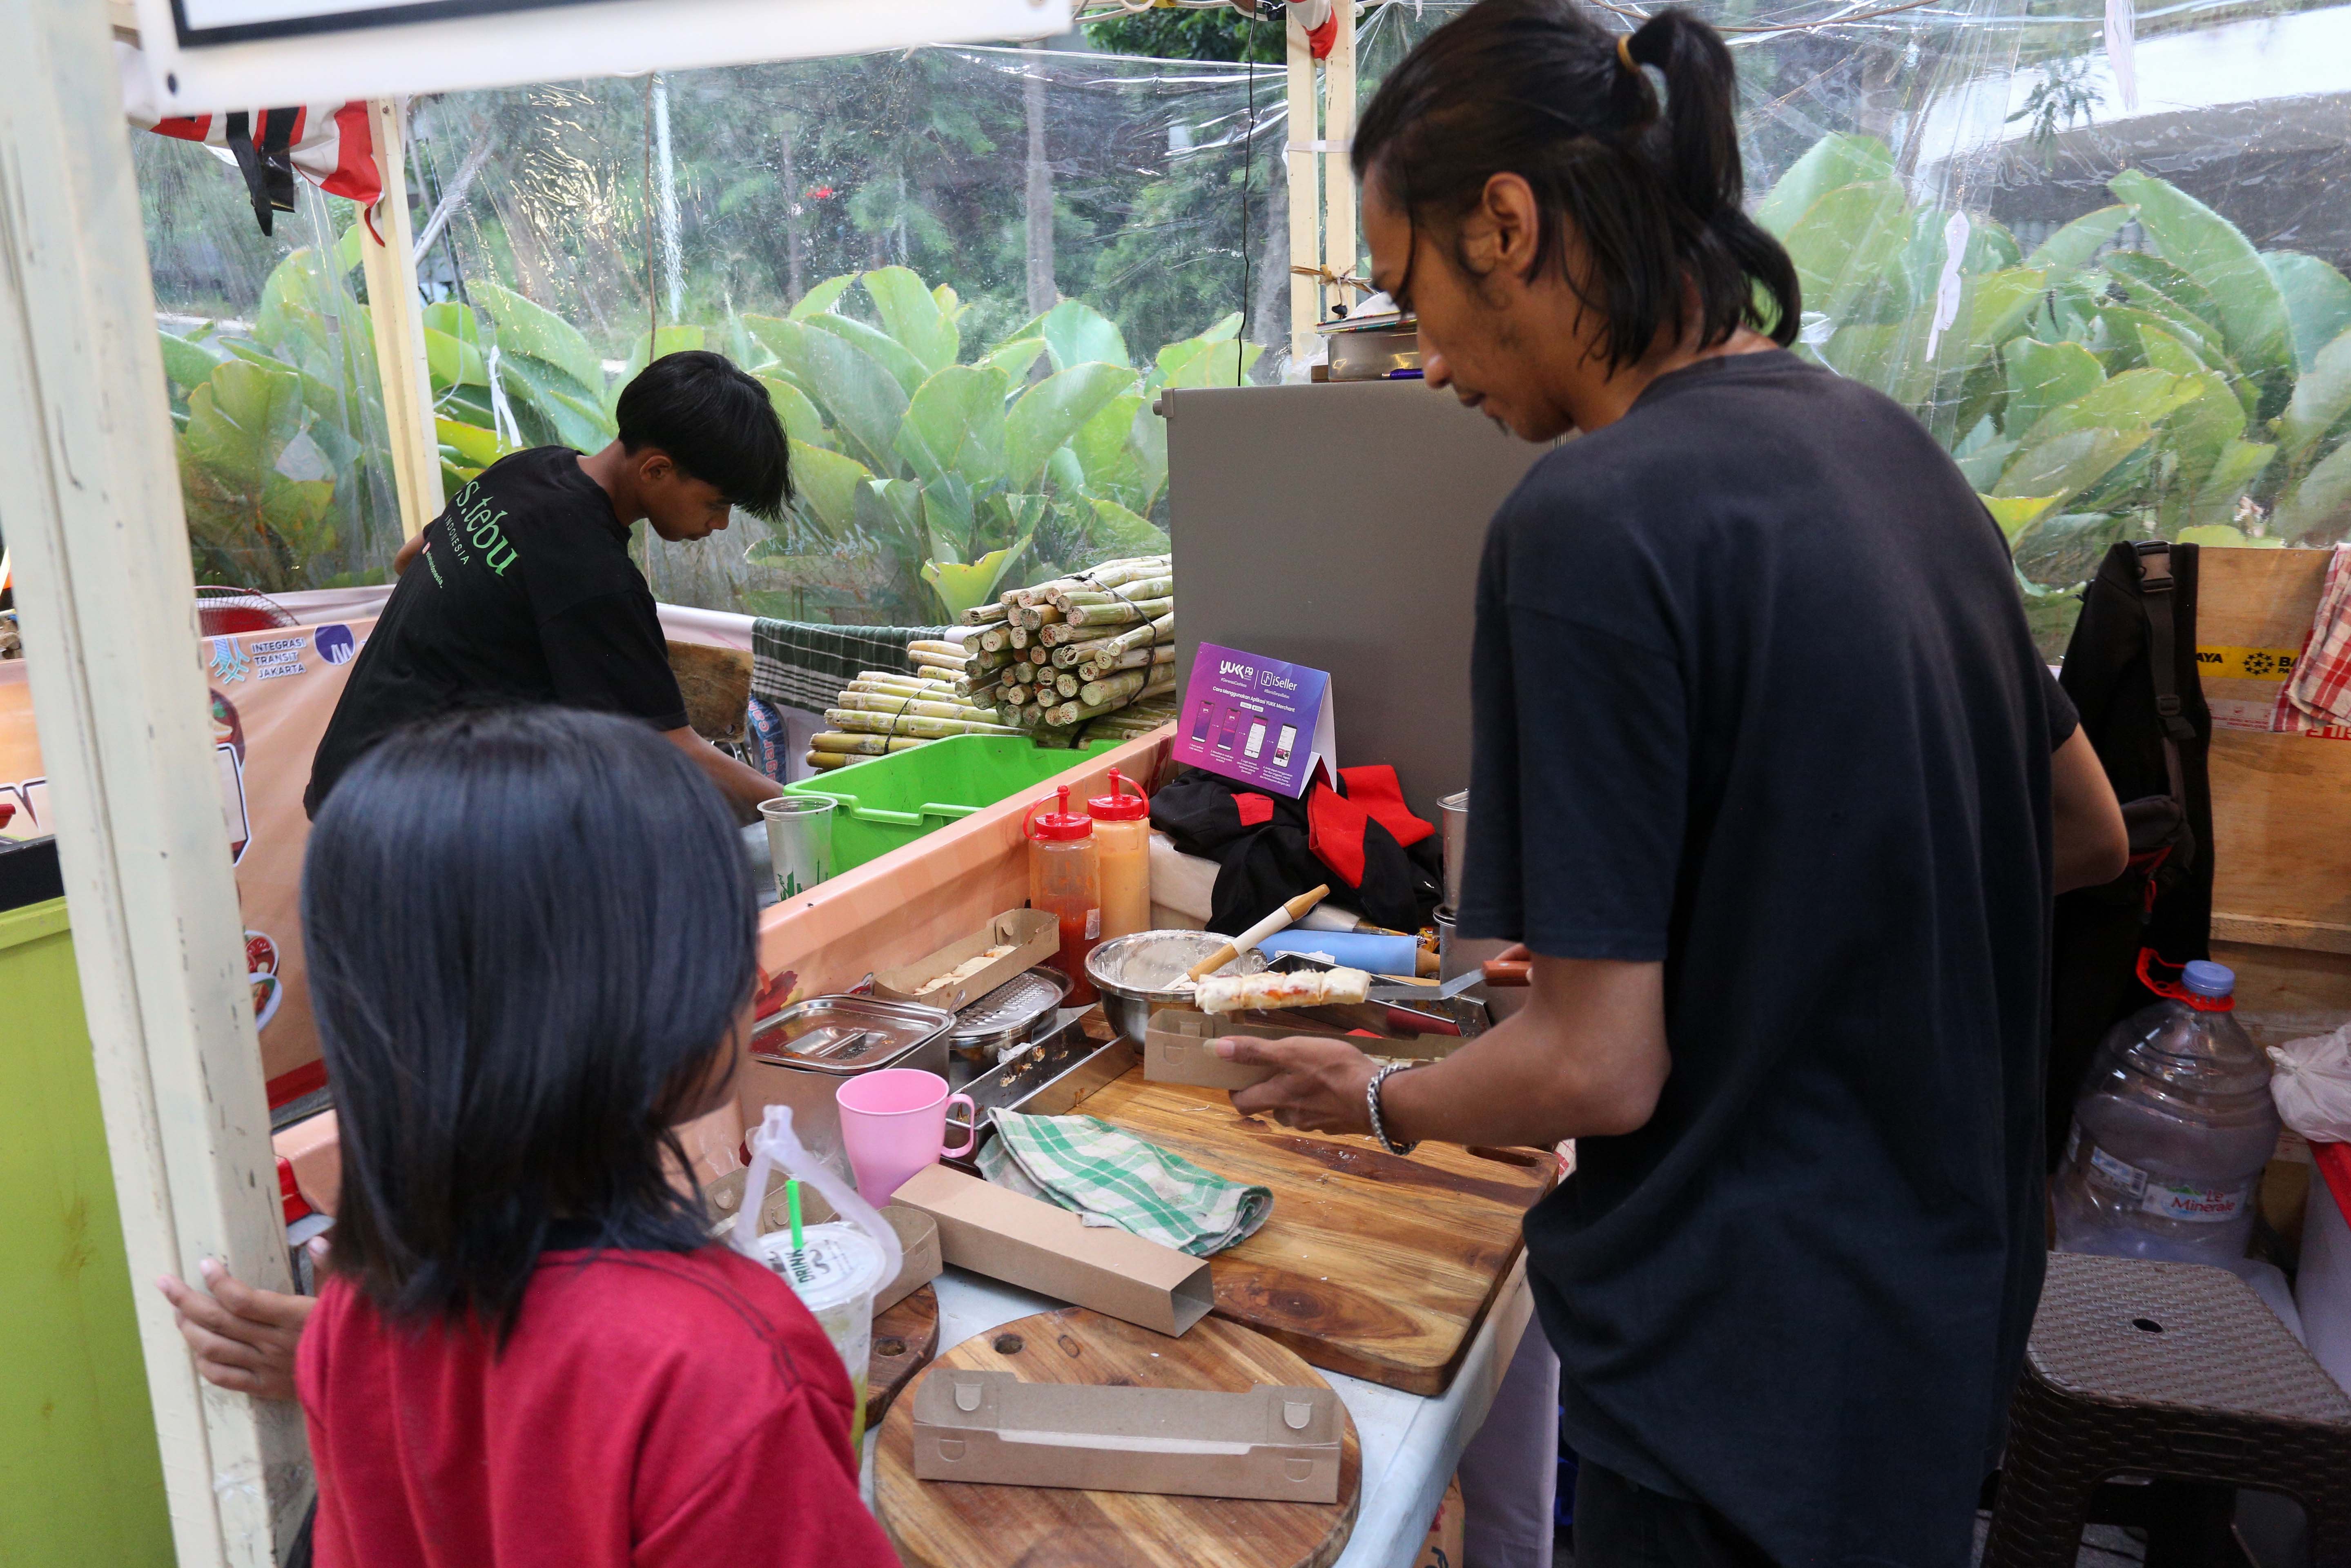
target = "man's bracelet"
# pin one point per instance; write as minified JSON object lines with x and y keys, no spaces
{"x":1371,"y":1103}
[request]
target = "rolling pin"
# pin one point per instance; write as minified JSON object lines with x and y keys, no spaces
{"x":1257,"y":932}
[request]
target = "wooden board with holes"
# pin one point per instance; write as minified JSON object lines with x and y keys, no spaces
{"x":2280,"y":803}
{"x":905,"y":1339}
{"x":950,"y":1524}
{"x":1371,"y":1265}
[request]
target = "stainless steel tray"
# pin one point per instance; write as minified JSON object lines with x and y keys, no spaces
{"x":1051,"y":1076}
{"x":1014,"y":1012}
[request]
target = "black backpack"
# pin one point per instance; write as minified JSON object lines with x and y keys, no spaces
{"x":2131,"y":670}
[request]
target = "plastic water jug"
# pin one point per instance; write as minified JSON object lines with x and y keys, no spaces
{"x":2173,"y":1127}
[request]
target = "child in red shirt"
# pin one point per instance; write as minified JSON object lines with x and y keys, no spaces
{"x":531,"y":936}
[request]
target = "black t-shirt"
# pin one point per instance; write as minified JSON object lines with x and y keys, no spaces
{"x":1755,"y":697}
{"x":524,"y":594}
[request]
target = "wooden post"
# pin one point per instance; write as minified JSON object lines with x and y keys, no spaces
{"x":91,"y":495}
{"x":397,"y":317}
{"x":1305,"y":196}
{"x":1338,"y":172}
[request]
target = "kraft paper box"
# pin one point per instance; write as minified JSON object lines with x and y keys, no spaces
{"x":1034,"y":936}
{"x":1276,"y":1444}
{"x":1177,"y":1048}
{"x":1041,"y":1246}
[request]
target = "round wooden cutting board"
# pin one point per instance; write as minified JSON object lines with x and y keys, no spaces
{"x":949,"y":1524}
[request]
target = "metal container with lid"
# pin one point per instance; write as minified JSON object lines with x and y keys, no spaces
{"x":1012,"y":1014}
{"x":800,"y":1057}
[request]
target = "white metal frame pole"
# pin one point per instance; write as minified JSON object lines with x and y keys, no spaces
{"x":396,"y":317}
{"x":91,"y":496}
{"x":1338,"y":169}
{"x":1305,"y":195}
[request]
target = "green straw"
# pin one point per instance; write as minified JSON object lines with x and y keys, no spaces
{"x":793,"y":1202}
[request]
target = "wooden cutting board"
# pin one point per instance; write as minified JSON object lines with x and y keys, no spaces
{"x":906,"y":1338}
{"x":1371,"y":1265}
{"x":952,"y":1524}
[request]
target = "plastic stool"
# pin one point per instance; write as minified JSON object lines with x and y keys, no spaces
{"x":2166,"y":1370}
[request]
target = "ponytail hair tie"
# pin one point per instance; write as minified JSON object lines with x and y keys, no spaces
{"x":1625,"y":54}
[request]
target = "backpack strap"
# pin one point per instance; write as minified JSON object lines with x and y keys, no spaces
{"x":2157,"y":601}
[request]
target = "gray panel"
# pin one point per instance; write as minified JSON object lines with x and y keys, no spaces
{"x":1339,"y":527}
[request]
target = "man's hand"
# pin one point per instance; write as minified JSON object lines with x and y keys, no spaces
{"x":1318,"y":1089}
{"x":244,"y":1339}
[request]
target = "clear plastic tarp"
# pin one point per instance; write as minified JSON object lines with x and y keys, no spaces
{"x":2102,"y":254}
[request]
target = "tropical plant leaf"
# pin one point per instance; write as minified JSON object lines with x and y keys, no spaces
{"x":879,"y":346}
{"x":2231,"y":477}
{"x":1997,"y":305}
{"x":2152,"y":283}
{"x":1105,"y":449}
{"x":865,"y":401}
{"x":915,"y":315}
{"x":2017,"y":513}
{"x":1015,"y":358}
{"x":2211,"y":250}
{"x":962,"y":588}
{"x":475,"y":447}
{"x":1891,"y":357}
{"x":1848,"y":250}
{"x":1078,"y":334}
{"x":1834,"y":161}
{"x":802,"y":422}
{"x":572,"y":417}
{"x":2321,"y":398}
{"x":2318,"y":302}
{"x":1125,"y":532}
{"x":825,"y":485}
{"x":2043,"y":376}
{"x":2133,"y":398}
{"x":241,"y":419}
{"x":2072,"y":247}
{"x":821,"y":297}
{"x":2224,"y":536}
{"x":2319,"y":508}
{"x":1049,"y":414}
{"x":190,"y":360}
{"x":2065,"y":465}
{"x":955,"y":425}
{"x":453,"y":362}
{"x":523,"y":328}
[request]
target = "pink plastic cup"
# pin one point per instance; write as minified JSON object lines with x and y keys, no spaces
{"x":894,"y":1123}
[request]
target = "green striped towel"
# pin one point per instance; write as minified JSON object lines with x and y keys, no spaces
{"x":1110,"y":1178}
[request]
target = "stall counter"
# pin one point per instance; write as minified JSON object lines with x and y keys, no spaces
{"x":1411,"y":1443}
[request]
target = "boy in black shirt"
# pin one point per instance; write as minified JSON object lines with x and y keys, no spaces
{"x":527,"y":594}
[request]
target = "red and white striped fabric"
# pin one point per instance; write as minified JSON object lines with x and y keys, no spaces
{"x":330,"y":144}
{"x":2318,"y":696}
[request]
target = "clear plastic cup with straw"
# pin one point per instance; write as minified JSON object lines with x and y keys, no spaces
{"x":836,"y":1268}
{"x":800,"y":841}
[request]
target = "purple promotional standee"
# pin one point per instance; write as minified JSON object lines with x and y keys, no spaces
{"x":1245,"y":717}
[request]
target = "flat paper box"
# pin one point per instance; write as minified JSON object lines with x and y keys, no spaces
{"x":1041,"y":1246}
{"x":1274,"y":1444}
{"x":1176,"y":1048}
{"x":1035,"y":935}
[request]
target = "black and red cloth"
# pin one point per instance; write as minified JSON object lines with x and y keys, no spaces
{"x":1359,"y":836}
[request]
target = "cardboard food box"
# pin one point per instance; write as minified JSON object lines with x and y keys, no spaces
{"x":1034,"y":936}
{"x":1176,"y":1048}
{"x":1280,"y":1444}
{"x":1041,"y":1246}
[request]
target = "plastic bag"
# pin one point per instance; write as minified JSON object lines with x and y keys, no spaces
{"x":2313,"y":1085}
{"x":774,"y":1144}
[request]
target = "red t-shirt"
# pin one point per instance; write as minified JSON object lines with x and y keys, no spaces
{"x":652,"y":1408}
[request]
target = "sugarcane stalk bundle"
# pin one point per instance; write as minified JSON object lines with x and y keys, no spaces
{"x":1121,"y":611}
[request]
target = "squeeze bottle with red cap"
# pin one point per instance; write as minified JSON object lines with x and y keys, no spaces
{"x":1065,"y":881}
{"x":1123,"y":850}
{"x":2172,"y":1130}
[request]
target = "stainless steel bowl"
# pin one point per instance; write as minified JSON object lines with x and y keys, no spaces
{"x":1135,"y":974}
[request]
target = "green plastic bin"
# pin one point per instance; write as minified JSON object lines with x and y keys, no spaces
{"x":895,"y":799}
